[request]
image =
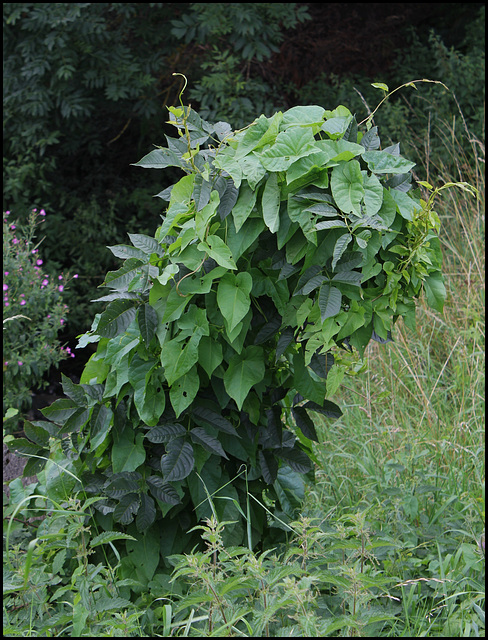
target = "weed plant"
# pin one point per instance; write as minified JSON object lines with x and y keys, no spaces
{"x":391,"y":538}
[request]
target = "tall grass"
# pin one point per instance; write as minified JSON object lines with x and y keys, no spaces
{"x":409,"y":448}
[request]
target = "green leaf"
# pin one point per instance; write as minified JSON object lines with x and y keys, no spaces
{"x":214,"y":419}
{"x":208,"y":442}
{"x":146,"y":244}
{"x":147,"y":320}
{"x":329,"y":301}
{"x":304,"y":422}
{"x":233,"y":297}
{"x":60,"y":410}
{"x":73,"y":391}
{"x":435,"y":291}
{"x":159,"y":159}
{"x":179,"y":461}
{"x":303,"y":116}
{"x":244,"y":205}
{"x":145,"y":552}
{"x":178,"y":358}
{"x":100,"y":423}
{"x":116,"y":318}
{"x":126,"y":509}
{"x":146,"y":514}
{"x":380,"y":85}
{"x":373,"y":194}
{"x":406,"y":206}
{"x":347,"y":186}
{"x":244,"y":371}
{"x":163,"y":491}
{"x":209,"y":354}
{"x":127,"y":454}
{"x":339,"y":248}
{"x":219,"y":251}
{"x":383,"y":162}
{"x":271,"y":203}
{"x":289,"y":146}
{"x":184,"y":390}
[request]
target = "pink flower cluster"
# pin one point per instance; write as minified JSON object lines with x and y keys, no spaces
{"x":37,"y":268}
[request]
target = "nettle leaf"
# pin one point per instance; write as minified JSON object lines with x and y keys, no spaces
{"x":233,"y":297}
{"x":179,"y":461}
{"x":244,"y":371}
{"x":296,"y":459}
{"x":125,"y":252}
{"x":347,"y":186}
{"x":121,"y":278}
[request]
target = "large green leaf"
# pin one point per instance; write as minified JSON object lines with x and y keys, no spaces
{"x":244,"y":205}
{"x":289,"y":146}
{"x":178,"y":358}
{"x":383,"y":162}
{"x":347,"y":186}
{"x":128,"y":454}
{"x":435,"y":291}
{"x":184,"y":390}
{"x":144,"y":552}
{"x":209,"y":354}
{"x":219,"y":251}
{"x":244,"y":371}
{"x":233,"y":297}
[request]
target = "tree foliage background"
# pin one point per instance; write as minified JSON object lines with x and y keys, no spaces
{"x":86,"y":86}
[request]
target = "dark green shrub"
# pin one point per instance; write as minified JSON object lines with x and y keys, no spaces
{"x":284,"y":245}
